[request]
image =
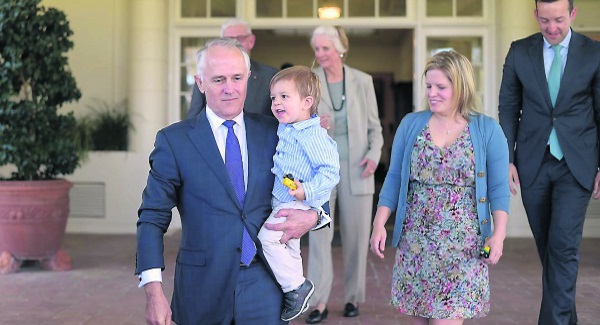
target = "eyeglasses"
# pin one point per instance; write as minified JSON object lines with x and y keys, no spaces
{"x":240,"y":38}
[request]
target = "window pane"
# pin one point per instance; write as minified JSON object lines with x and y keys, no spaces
{"x":187,"y":70}
{"x":361,"y":8}
{"x":439,"y":8}
{"x":471,"y":47}
{"x":332,"y":3}
{"x":395,"y":8}
{"x":268,"y":8}
{"x":193,"y":8}
{"x":187,"y":80}
{"x":222,"y":8}
{"x":189,"y":47}
{"x":469,"y":8}
{"x":299,"y":8}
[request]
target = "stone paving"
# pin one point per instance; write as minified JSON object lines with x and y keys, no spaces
{"x":101,"y":287}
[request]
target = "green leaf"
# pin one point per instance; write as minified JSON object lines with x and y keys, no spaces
{"x":35,"y":81}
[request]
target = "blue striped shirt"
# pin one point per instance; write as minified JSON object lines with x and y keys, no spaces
{"x":310,"y":155}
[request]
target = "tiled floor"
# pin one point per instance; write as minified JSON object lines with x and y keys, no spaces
{"x":101,"y":288}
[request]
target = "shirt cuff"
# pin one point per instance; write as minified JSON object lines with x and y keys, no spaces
{"x":150,"y":275}
{"x":323,"y":218}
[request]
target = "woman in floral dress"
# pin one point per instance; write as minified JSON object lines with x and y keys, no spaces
{"x":448,"y":182}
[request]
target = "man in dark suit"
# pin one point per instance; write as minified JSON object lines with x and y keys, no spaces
{"x":190,"y":170}
{"x":550,"y":112}
{"x":258,"y":98}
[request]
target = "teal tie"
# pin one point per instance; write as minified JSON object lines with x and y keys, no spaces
{"x":553,"y":87}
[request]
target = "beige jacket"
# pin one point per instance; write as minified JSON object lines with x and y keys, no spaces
{"x":364,"y":128}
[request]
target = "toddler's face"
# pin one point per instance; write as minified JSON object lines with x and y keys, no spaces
{"x":287,"y":105}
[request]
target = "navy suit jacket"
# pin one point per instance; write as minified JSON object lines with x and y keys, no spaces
{"x":258,"y":98}
{"x":188,"y":172}
{"x":526,"y":113}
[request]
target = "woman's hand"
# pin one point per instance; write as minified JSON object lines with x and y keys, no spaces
{"x":370,"y":167}
{"x":496,"y":241}
{"x":379,"y":233}
{"x":496,"y":244}
{"x":377,"y":240}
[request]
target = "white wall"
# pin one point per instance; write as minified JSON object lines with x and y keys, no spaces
{"x":515,"y":20}
{"x":98,"y":59}
{"x":101,"y":62}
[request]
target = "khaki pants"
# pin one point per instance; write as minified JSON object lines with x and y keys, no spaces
{"x":284,"y":259}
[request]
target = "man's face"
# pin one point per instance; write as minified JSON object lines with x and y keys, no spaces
{"x":224,"y":81}
{"x":554,"y":19}
{"x":239,"y":32}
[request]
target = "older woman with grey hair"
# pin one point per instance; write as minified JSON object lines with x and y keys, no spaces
{"x":348,"y":111}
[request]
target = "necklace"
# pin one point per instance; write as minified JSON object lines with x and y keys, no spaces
{"x":343,"y":90}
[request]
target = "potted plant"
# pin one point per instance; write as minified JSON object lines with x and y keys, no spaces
{"x":107,"y":127}
{"x":38,"y":143}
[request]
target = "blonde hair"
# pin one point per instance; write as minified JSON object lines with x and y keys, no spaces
{"x":306,"y":81}
{"x":335,"y":34}
{"x":457,"y":68}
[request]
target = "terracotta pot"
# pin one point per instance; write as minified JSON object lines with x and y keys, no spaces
{"x":33,"y":218}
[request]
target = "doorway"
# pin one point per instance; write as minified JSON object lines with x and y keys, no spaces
{"x":385,"y":54}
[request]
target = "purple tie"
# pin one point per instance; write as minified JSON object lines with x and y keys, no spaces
{"x":235,"y":168}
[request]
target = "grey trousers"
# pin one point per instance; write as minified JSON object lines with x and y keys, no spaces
{"x":355,"y":228}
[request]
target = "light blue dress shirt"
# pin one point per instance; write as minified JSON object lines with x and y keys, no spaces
{"x":310,"y":155}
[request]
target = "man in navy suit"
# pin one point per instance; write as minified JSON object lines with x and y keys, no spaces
{"x":258,"y":99}
{"x":550,"y":113}
{"x":188,"y":171}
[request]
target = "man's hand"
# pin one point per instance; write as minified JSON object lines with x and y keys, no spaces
{"x":298,"y":223}
{"x":596,"y":194}
{"x":158,"y":311}
{"x":513,"y":178}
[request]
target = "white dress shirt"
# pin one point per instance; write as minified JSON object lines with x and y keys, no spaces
{"x":220,"y":133}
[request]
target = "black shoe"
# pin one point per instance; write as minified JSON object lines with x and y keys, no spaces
{"x":316,"y":316}
{"x":295,"y":302}
{"x":350,"y":310}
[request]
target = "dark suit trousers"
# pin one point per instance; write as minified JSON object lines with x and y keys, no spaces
{"x":556,"y":204}
{"x":258,"y":298}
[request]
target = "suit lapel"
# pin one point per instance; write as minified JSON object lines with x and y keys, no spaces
{"x":575,"y":58}
{"x":351,"y":88}
{"x":536,"y":57}
{"x":203,"y":139}
{"x":253,"y":83}
{"x":255,"y":141}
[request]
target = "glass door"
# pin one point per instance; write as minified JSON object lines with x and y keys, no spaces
{"x":473,"y":43}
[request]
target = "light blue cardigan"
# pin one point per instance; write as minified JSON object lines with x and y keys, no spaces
{"x":491,"y":166}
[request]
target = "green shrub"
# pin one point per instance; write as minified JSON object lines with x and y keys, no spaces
{"x":35,"y":82}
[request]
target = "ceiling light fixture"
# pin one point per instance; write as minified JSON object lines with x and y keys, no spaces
{"x":329,"y":12}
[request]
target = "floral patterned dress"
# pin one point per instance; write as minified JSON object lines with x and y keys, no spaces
{"x":438,"y":272}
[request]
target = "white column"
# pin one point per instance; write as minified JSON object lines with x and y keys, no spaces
{"x":515,"y":20}
{"x":147,"y":71}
